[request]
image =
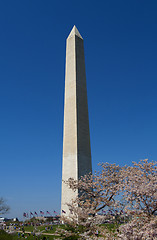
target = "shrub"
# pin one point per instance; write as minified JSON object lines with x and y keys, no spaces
{"x":74,"y":237}
{"x":5,"y":236}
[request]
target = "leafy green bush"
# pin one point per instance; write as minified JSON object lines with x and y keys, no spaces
{"x":74,"y":237}
{"x":5,"y":236}
{"x":70,"y":228}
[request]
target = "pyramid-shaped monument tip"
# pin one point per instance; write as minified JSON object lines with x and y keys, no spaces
{"x":74,"y":32}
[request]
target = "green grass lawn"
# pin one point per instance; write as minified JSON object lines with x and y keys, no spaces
{"x":31,"y":237}
{"x":111,"y":227}
{"x":41,"y":228}
{"x":15,"y":237}
{"x":29,"y":228}
{"x":6,"y":236}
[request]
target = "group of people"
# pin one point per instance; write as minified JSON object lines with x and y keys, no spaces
{"x":25,"y":236}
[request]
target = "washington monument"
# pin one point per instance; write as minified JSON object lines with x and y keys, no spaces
{"x":76,"y":137}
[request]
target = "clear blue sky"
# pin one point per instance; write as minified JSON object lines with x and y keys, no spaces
{"x":120,"y":39}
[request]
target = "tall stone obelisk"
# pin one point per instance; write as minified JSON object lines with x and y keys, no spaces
{"x":76,"y":137}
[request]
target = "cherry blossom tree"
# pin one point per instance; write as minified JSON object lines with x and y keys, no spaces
{"x":140,"y":187}
{"x":133,"y":189}
{"x":96,"y":192}
{"x":140,"y":193}
{"x":141,"y":228}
